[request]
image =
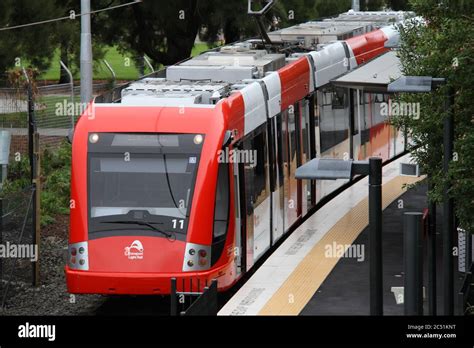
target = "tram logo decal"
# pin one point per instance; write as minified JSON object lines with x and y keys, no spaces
{"x":134,"y":251}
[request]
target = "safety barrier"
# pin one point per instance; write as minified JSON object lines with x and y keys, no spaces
{"x":194,"y":303}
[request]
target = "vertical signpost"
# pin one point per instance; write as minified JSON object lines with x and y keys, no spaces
{"x":33,"y":151}
{"x":413,"y":263}
{"x":375,"y":236}
{"x":86,"y":52}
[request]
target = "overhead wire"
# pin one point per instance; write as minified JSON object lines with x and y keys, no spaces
{"x":70,"y":17}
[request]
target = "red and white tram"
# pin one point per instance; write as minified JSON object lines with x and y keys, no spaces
{"x":191,"y":175}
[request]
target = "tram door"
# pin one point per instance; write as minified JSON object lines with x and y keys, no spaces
{"x":277,"y":177}
{"x":257,"y":194}
{"x":303,"y":125}
{"x":239,"y":237}
{"x":292,"y":189}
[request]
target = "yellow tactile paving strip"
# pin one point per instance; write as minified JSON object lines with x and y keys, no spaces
{"x":301,"y":285}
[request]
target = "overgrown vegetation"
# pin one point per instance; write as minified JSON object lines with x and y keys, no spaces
{"x":55,"y":179}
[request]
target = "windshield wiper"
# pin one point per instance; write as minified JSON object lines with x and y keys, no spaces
{"x":169,"y":186}
{"x":142,"y":223}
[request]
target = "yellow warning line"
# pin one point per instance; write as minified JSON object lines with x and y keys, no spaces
{"x":308,"y":276}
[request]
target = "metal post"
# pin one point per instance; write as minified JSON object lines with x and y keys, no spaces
{"x":356,"y":5}
{"x":351,"y":124}
{"x":71,"y":83}
{"x":1,"y":242}
{"x":31,"y":124}
{"x":412,"y":251}
{"x":448,"y":215}
{"x":173,"y":298}
{"x":37,"y":206}
{"x":468,"y":251}
{"x":33,"y":150}
{"x":432,"y":257}
{"x":148,"y":63}
{"x":375,"y":237}
{"x":86,"y":52}
{"x":111,"y":71}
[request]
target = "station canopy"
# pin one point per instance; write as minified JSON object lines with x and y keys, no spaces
{"x":373,"y":76}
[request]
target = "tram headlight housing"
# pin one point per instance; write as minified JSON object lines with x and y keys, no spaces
{"x":197,"y":257}
{"x":78,"y":256}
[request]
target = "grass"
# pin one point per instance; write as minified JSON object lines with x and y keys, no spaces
{"x":123,"y":65}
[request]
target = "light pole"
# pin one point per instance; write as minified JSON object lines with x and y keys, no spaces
{"x":413,"y":263}
{"x":86,"y":52}
{"x":424,"y":84}
{"x":332,"y":169}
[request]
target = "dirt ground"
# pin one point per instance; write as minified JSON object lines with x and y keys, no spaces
{"x":51,"y":297}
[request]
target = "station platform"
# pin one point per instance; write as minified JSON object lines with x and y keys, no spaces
{"x":298,"y":277}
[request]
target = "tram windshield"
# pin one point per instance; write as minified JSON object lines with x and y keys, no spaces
{"x":144,"y":178}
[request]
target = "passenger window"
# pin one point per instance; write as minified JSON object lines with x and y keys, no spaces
{"x":221,"y":211}
{"x":339,"y":99}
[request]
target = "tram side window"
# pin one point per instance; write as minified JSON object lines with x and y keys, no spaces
{"x":334,"y":119}
{"x":256,"y":173}
{"x":221,"y":211}
{"x":355,"y":112}
{"x":339,"y":99}
{"x":381,"y":112}
{"x":293,"y":114}
{"x":304,"y":132}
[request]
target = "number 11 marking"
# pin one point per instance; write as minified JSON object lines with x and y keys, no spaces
{"x":175,"y":223}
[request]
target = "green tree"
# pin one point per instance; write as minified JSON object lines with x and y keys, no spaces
{"x":443,"y":46}
{"x":399,"y":5}
{"x":163,"y":31}
{"x":34,"y":45}
{"x":371,"y":5}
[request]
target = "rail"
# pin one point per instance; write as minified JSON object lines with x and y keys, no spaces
{"x":194,"y":303}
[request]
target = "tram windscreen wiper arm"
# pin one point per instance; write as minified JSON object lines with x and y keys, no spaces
{"x":141,"y":223}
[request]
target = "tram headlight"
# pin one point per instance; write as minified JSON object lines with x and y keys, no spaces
{"x":93,"y":138}
{"x":78,"y":256}
{"x":197,"y":257}
{"x":198,"y":139}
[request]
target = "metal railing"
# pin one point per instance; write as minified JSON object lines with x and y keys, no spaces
{"x":465,"y":292}
{"x":192,"y":300}
{"x":466,"y":266}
